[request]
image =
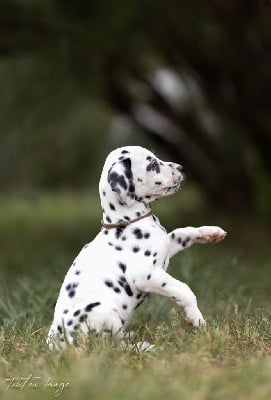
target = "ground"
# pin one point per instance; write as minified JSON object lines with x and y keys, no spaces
{"x":227,"y":359}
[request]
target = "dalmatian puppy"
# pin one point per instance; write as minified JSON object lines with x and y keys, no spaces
{"x":128,"y":259}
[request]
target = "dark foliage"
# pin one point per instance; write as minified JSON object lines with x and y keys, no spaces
{"x":194,"y":76}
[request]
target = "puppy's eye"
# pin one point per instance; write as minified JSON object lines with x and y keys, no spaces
{"x":153,"y":166}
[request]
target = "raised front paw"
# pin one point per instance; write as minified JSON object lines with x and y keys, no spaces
{"x":210,"y":234}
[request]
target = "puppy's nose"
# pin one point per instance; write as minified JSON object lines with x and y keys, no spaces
{"x":180,"y":168}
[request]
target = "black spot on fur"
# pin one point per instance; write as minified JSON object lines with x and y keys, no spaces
{"x":173,"y":235}
{"x":154,"y":254}
{"x":125,"y":285}
{"x":117,"y":180}
{"x":179,"y":240}
{"x":147,"y":235}
{"x":136,"y":249}
{"x":77,"y":312}
{"x":138,"y":233}
{"x":110,"y":243}
{"x":110,"y":284}
{"x":124,"y":152}
{"x":163,"y":284}
{"x":124,"y":306}
{"x":118,"y":248}
{"x":118,"y":232}
{"x":147,"y":253}
{"x":72,"y":293}
{"x":68,"y":287}
{"x":107,"y":331}
{"x":108,"y":219}
{"x":83,"y":318}
{"x":149,"y":277}
{"x":122,"y":267}
{"x":59,"y":328}
{"x":76,"y":327}
{"x":77,"y":272}
{"x":154,"y":262}
{"x":128,"y":169}
{"x":70,"y":322}
{"x":112,"y":207}
{"x":153,"y":166}
{"x":105,"y":232}
{"x":65,"y":311}
{"x":90,"y":306}
{"x":185,"y":242}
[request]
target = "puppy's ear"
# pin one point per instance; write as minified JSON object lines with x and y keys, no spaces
{"x":120,"y":178}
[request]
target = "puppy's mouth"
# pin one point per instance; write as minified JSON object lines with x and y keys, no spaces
{"x":168,"y":190}
{"x":173,"y":189}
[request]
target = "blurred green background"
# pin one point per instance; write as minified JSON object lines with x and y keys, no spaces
{"x":188,"y":79}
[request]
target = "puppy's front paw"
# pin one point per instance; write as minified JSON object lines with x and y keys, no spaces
{"x":210,"y":234}
{"x":194,"y":317}
{"x":195,"y":322}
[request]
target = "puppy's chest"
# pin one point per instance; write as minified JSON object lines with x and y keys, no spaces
{"x":143,"y":240}
{"x":112,"y":262}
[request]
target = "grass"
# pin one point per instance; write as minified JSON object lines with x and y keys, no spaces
{"x":229,"y":359}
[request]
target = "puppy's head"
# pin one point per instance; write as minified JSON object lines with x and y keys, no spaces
{"x":133,"y":174}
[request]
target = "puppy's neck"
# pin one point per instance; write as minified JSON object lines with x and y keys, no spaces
{"x":114,"y":212}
